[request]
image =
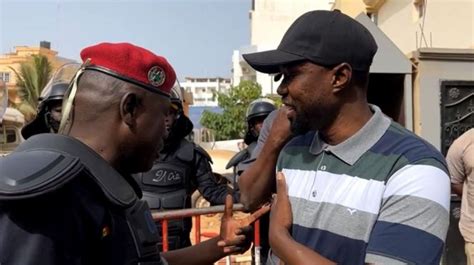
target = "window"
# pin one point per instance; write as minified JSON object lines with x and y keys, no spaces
{"x":7,"y":135}
{"x":5,"y":77}
{"x":200,"y":89}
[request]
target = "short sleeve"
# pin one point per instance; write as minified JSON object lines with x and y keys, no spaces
{"x":454,"y":158}
{"x":414,"y":217}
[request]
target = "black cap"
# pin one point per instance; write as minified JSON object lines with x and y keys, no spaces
{"x":323,"y":37}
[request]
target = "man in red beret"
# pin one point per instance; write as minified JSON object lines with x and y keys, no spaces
{"x":69,"y":198}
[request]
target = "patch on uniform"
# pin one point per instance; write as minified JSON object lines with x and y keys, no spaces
{"x":156,"y":76}
{"x":105,"y":231}
{"x":164,"y":175}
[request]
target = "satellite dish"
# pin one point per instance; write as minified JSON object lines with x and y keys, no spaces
{"x":3,"y":99}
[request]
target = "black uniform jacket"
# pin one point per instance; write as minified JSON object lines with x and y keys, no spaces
{"x":70,"y":217}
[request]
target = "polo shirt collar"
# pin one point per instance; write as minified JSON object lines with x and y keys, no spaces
{"x":355,"y":146}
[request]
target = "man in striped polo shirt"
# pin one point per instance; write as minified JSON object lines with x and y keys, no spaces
{"x":356,"y":188}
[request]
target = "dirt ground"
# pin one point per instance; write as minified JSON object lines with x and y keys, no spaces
{"x":210,"y":225}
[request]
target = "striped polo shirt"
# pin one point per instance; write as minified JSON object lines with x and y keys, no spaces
{"x":382,"y":196}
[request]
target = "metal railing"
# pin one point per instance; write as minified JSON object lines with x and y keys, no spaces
{"x":165,"y":216}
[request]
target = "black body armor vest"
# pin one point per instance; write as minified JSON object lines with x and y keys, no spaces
{"x":168,"y":186}
{"x":47,"y":162}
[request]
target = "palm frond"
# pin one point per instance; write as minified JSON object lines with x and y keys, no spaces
{"x":32,"y":76}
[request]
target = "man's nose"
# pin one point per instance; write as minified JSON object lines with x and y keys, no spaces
{"x":282,"y":89}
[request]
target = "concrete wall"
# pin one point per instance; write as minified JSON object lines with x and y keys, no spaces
{"x":447,"y":23}
{"x":350,"y":7}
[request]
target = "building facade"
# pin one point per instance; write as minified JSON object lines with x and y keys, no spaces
{"x":204,"y":89}
{"x":20,"y":55}
{"x":410,"y":25}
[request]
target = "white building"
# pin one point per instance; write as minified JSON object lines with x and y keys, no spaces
{"x":204,"y":89}
{"x":269,"y":20}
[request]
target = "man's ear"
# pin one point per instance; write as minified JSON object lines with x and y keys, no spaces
{"x":342,"y":76}
{"x":129,"y":105}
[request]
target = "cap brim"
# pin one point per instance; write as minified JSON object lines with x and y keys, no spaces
{"x":270,"y":61}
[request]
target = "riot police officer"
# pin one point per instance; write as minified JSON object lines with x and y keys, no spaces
{"x":69,"y":198}
{"x":48,"y":115}
{"x":257,"y":112}
{"x":180,"y":169}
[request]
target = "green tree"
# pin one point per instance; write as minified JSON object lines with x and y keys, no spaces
{"x":231,"y":124}
{"x":32,"y":77}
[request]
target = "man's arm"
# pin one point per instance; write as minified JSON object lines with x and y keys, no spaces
{"x":232,"y":239}
{"x":455,"y":162}
{"x":204,"y":253}
{"x":256,"y":182}
{"x":207,"y":185}
{"x":457,"y":189}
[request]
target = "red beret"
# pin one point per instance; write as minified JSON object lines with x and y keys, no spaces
{"x":132,"y":64}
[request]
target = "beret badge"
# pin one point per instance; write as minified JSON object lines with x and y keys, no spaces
{"x":156,"y":76}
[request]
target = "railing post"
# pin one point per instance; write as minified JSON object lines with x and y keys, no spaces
{"x":164,"y":232}
{"x":256,"y":242}
{"x":197,"y":231}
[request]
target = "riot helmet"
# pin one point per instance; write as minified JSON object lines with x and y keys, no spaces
{"x":176,"y":96}
{"x":260,"y":107}
{"x":54,"y":95}
{"x":257,"y":111}
{"x":181,"y":125}
{"x":48,"y":115}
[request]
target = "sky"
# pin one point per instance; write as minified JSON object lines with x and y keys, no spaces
{"x":196,"y":36}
